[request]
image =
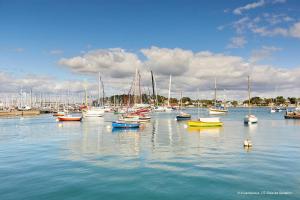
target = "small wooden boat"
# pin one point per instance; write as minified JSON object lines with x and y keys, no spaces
{"x":206,"y":122}
{"x":119,"y":124}
{"x":183,"y":116}
{"x":69,"y":118}
{"x":292,"y":115}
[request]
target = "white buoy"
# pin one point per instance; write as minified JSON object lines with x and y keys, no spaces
{"x":247,"y":143}
{"x":57,"y":119}
{"x":185,"y":126}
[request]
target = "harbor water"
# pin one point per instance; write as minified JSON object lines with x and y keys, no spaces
{"x":44,"y":159}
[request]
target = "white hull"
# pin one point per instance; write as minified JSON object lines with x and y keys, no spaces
{"x":93,"y":113}
{"x":250,"y":119}
{"x":163,"y":109}
{"x":217,"y":112}
{"x":209,"y":119}
{"x":159,"y":109}
{"x":168,"y":109}
{"x":273,"y":111}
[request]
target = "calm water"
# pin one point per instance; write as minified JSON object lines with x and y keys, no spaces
{"x":43,"y":159}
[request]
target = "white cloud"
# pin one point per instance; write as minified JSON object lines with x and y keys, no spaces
{"x":200,"y":68}
{"x":190,"y":70}
{"x":264,"y":53}
{"x":295,"y":30}
{"x":38,"y":83}
{"x":292,"y":31}
{"x":268,"y":25}
{"x":239,"y":10}
{"x":115,"y":63}
{"x":278,"y":1}
{"x":237,"y":42}
{"x":168,"y":61}
{"x":263,"y":31}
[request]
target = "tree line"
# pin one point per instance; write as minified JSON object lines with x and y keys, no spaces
{"x":125,"y":99}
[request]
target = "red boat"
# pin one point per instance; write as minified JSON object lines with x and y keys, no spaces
{"x":69,"y":118}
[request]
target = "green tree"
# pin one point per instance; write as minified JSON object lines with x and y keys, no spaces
{"x":292,"y":100}
{"x":280,"y":100}
{"x":256,"y":100}
{"x":234,"y":103}
{"x":186,"y":99}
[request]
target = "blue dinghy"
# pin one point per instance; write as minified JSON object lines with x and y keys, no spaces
{"x":117,"y":124}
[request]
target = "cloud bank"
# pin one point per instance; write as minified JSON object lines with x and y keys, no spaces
{"x":190,"y":70}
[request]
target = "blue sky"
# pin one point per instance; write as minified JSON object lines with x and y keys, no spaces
{"x":36,"y":34}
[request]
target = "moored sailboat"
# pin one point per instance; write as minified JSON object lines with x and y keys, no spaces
{"x":205,"y":121}
{"x":217,"y":110}
{"x":250,"y":118}
{"x":182,"y":115}
{"x":95,"y":111}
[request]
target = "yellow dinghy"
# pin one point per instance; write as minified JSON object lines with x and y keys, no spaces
{"x":206,"y":122}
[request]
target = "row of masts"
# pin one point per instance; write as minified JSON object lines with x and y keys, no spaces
{"x":135,"y":92}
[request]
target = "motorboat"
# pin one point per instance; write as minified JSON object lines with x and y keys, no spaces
{"x":250,"y":119}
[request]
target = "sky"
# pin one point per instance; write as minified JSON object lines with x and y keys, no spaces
{"x":51,"y":46}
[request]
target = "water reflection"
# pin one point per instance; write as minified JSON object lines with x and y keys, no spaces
{"x":124,"y":130}
{"x":205,"y":130}
{"x":292,"y":122}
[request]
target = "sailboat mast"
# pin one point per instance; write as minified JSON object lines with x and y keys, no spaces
{"x":249,"y":102}
{"x":153,"y":90}
{"x":85,"y":93}
{"x":31,"y":98}
{"x":140,"y":91}
{"x":135,"y":87}
{"x":102,"y":85}
{"x":215,"y":91}
{"x":180,"y":100}
{"x":99,"y":88}
{"x":198,"y":104}
{"x":169,"y":95}
{"x":156,"y":96}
